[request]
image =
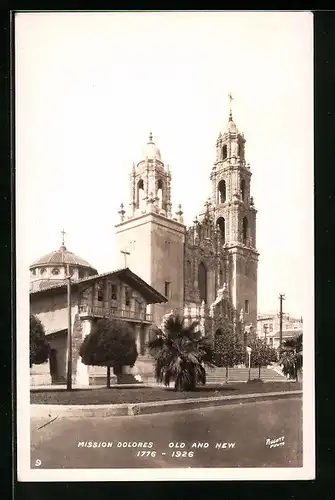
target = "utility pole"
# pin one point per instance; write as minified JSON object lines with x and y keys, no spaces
{"x":69,"y":332}
{"x":281,"y":298}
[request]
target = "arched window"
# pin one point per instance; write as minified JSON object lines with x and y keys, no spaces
{"x":140,"y":193}
{"x":244,"y":230}
{"x":160,"y":193}
{"x":222,"y":191}
{"x":242,"y":189}
{"x":222,"y":227}
{"x":202,"y":281}
{"x":224,"y":152}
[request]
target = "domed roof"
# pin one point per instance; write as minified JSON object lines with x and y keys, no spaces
{"x":150,"y":150}
{"x":61,"y":257}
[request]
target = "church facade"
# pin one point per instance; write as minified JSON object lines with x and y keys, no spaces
{"x":191,"y":266}
{"x":62,"y":277}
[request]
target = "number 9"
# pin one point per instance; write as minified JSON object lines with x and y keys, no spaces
{"x":38,"y":462}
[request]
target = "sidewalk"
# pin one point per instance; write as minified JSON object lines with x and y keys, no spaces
{"x":132,"y":409}
{"x":92,"y":387}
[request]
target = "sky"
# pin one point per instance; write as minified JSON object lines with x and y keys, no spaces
{"x":90,"y":87}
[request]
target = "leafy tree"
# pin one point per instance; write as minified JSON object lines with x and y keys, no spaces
{"x":181,"y":353}
{"x":39,"y":347}
{"x":111,"y":343}
{"x":228,"y":342}
{"x":261,"y":354}
{"x":228,"y":348}
{"x":290,"y":357}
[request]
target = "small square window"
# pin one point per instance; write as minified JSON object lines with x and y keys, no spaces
{"x":246,"y":306}
{"x":167,"y":289}
{"x":114,"y":292}
{"x":100,"y":295}
{"x":127,"y":297}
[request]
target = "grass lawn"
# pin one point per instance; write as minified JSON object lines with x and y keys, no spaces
{"x":116,"y":395}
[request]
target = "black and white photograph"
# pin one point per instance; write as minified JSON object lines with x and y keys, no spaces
{"x":164,"y":245}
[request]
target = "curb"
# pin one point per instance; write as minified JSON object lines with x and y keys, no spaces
{"x":132,"y":409}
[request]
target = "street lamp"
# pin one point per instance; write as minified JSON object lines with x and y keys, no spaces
{"x":249,"y":360}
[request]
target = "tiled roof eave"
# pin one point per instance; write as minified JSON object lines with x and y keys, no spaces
{"x":148,"y":291}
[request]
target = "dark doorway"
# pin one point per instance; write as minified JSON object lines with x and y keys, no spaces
{"x":53,"y":366}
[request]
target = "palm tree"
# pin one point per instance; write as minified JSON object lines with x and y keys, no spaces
{"x":291,"y":357}
{"x":181,"y":353}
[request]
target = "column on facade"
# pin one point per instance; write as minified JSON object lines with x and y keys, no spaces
{"x":133,"y":191}
{"x":81,"y":371}
{"x":137,"y":331}
{"x":146,"y":339}
{"x":196,"y":284}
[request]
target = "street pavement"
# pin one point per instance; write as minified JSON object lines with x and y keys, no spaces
{"x":262,"y":434}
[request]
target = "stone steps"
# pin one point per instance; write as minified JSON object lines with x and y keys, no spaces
{"x":145,"y":368}
{"x":218,"y":375}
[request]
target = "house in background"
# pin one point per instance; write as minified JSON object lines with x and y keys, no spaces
{"x":268,"y":327}
{"x":118,"y":294}
{"x":273,"y":339}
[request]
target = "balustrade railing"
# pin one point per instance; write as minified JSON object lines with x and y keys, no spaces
{"x":103,"y":312}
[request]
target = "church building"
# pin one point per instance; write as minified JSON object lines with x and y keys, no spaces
{"x":191,"y":265}
{"x":61,"y":279}
{"x":196,"y":271}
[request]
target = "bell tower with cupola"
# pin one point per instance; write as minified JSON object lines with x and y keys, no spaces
{"x":150,"y":183}
{"x":234,"y":215}
{"x":149,"y":235}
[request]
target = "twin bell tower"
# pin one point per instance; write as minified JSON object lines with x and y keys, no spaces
{"x":189,"y":265}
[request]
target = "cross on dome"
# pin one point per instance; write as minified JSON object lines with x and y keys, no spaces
{"x":63,"y":247}
{"x":150,"y":137}
{"x":230,"y":97}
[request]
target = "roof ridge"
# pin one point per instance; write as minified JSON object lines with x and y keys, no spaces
{"x":96,"y":276}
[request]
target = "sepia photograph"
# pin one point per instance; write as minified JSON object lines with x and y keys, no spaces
{"x":164,"y":245}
